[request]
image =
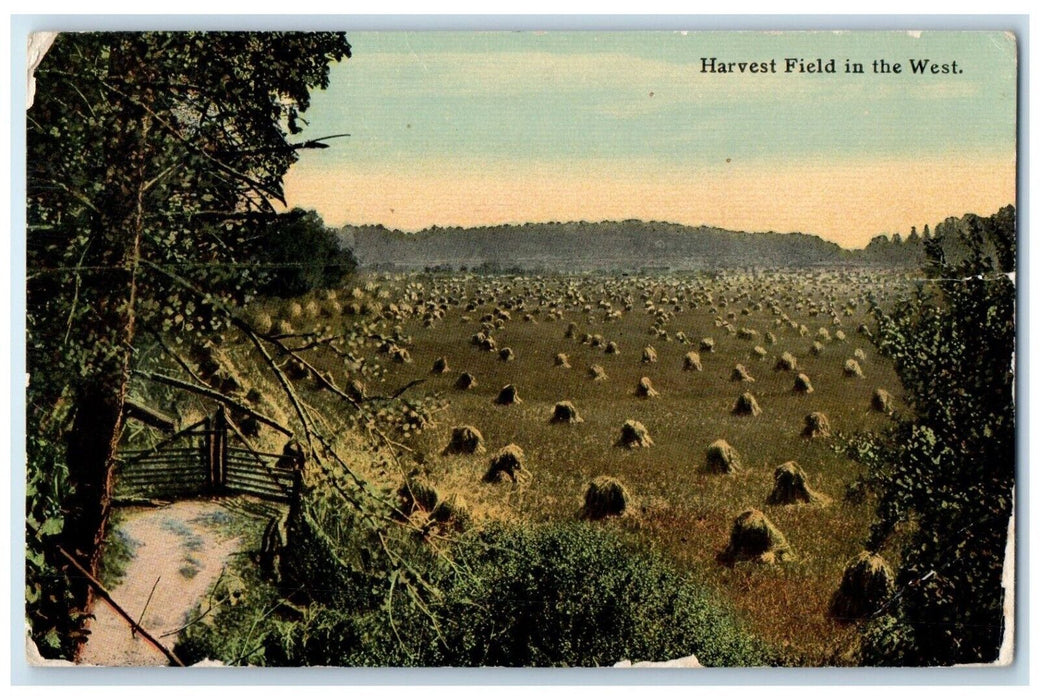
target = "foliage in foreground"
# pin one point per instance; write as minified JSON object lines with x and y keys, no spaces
{"x":950,"y":469}
{"x":152,"y":157}
{"x":550,"y":595}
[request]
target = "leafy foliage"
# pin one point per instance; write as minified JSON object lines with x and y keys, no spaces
{"x":152,"y":157}
{"x":949,"y":469}
{"x":300,"y":254}
{"x":566,"y":594}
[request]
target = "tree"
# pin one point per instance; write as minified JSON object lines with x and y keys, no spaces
{"x":152,"y":157}
{"x":300,"y":254}
{"x":947,"y":470}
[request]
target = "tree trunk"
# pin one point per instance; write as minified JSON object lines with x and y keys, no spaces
{"x":98,"y":423}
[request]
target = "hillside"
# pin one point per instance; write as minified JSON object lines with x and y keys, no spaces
{"x":575,"y":246}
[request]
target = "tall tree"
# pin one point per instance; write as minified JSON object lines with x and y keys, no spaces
{"x":152,"y":157}
{"x":947,"y":471}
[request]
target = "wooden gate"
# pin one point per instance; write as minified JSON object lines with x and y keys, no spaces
{"x":209,"y":457}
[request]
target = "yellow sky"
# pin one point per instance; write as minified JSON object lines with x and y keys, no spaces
{"x":848,"y":203}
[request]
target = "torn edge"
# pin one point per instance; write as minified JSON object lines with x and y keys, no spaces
{"x":39,"y":44}
{"x":1007,"y":646}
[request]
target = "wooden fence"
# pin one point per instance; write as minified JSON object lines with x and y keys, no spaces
{"x":210,"y":457}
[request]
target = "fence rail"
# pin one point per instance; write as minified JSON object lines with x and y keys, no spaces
{"x":201,"y":460}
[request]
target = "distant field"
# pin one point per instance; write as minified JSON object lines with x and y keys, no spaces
{"x":679,"y":509}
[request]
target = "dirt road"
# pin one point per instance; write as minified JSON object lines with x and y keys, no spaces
{"x":180,"y":545}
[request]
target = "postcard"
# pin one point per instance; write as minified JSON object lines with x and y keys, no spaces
{"x":521,"y":349}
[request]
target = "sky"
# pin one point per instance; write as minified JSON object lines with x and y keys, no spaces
{"x":473,"y":128}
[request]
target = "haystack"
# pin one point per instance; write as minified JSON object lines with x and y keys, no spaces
{"x":597,"y":373}
{"x":881,"y":401}
{"x":634,"y":434}
{"x":760,"y":352}
{"x":786,"y":363}
{"x":465,"y":381}
{"x":692,"y":362}
{"x":561,"y":360}
{"x":565,"y":412}
{"x":817,"y":348}
{"x":440,"y":366}
{"x":740,"y":374}
{"x":465,"y":440}
{"x":746,"y":405}
{"x":612,"y":348}
{"x":770,"y":338}
{"x":416,"y":494}
{"x":859,"y":355}
{"x":260,"y":321}
{"x":816,"y":426}
{"x":754,"y":537}
{"x":707,"y":345}
{"x":506,"y":355}
{"x":851,"y":368}
{"x":866,"y":586}
{"x":507,"y":396}
{"x":839,"y":336}
{"x":296,"y":369}
{"x":802,"y":385}
{"x":356,"y":390}
{"x":645,"y":390}
{"x":507,"y":462}
{"x":453,"y":511}
{"x":597,"y":341}
{"x":722,"y":458}
{"x":604,"y":496}
{"x":649,"y":354}
{"x":572,"y":330}
{"x":586,"y":338}
{"x":488,"y":344}
{"x":789,"y":487}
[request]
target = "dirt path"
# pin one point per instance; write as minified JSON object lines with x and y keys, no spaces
{"x":182,"y":546}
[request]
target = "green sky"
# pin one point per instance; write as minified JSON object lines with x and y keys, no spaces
{"x":472,"y":127}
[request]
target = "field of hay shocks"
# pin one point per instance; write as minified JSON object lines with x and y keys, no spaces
{"x":679,"y":508}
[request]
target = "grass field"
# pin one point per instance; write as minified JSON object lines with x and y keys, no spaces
{"x":679,"y":509}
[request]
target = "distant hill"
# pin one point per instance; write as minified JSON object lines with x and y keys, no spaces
{"x":581,"y":246}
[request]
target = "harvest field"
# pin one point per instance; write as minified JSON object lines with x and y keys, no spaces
{"x":517,"y":349}
{"x":409,"y":322}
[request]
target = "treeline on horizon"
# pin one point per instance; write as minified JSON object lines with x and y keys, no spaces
{"x":630,"y":245}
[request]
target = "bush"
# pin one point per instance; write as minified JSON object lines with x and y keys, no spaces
{"x":950,"y":469}
{"x":552,"y":595}
{"x":302,"y":254}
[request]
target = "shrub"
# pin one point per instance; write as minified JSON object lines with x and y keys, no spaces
{"x":550,"y":595}
{"x":950,"y":469}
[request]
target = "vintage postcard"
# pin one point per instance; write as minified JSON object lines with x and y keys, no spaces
{"x":521,"y":349}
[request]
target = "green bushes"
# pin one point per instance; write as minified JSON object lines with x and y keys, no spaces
{"x":554,"y":595}
{"x":299,"y":254}
{"x":573,"y":595}
{"x":949,"y":468}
